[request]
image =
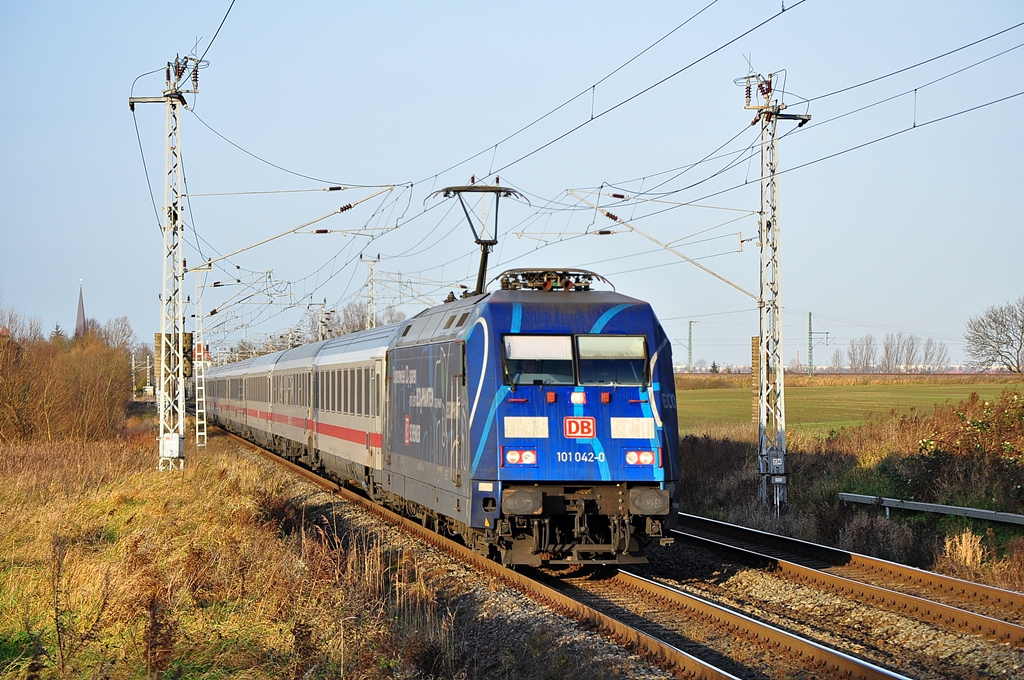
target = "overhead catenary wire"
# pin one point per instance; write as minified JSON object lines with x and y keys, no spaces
{"x":913,"y":66}
{"x":284,"y":169}
{"x":442,"y":236}
{"x":588,"y":89}
{"x":647,"y":89}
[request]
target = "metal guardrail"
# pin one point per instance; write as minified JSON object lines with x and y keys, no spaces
{"x":976,"y":513}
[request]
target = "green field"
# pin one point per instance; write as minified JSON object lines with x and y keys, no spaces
{"x":825,"y":407}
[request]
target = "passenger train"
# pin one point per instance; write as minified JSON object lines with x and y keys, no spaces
{"x":536,"y":422}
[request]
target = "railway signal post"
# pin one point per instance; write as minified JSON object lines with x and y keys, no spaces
{"x":169,"y":347}
{"x":771,"y":404}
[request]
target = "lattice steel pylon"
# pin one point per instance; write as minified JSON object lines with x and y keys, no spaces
{"x":371,"y":292}
{"x":170,"y":353}
{"x":771,"y":402}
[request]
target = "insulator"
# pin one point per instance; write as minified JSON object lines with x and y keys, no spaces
{"x":167,"y":72}
{"x":748,"y":90}
{"x":195,"y":77}
{"x":622,"y":196}
{"x":345,"y":207}
{"x":612,"y":217}
{"x":333,"y":189}
{"x":321,"y":231}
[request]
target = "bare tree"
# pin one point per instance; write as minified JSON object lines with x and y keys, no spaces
{"x":996,"y":337}
{"x":911,"y":352}
{"x":352,"y":318}
{"x":837,"y":359}
{"x":392,"y":315}
{"x":892,"y":353}
{"x":862,"y":353}
{"x":936,"y":355}
{"x":118,"y":333}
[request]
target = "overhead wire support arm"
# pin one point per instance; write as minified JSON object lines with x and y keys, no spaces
{"x":666,"y":246}
{"x":344,"y":208}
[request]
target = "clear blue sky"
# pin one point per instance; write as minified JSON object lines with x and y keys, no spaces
{"x":914,"y":233}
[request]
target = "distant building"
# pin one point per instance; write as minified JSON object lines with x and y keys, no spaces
{"x":80,"y":321}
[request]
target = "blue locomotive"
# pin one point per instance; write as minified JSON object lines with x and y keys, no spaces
{"x":536,"y":422}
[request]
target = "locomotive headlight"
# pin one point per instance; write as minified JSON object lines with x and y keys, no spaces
{"x":521,"y":457}
{"x":640,"y":457}
{"x":578,"y":397}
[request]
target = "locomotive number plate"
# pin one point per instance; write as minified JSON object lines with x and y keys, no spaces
{"x":579,"y":427}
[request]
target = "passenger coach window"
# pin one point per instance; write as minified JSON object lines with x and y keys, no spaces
{"x":611,"y":359}
{"x":538,"y":359}
{"x":359,"y":392}
{"x":366,"y":392}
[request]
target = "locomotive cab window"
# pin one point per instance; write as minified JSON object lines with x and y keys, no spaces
{"x":538,"y":360}
{"x":612,"y":359}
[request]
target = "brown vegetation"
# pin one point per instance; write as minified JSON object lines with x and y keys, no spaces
{"x":233,"y":568}
{"x":113,"y":569}
{"x":64,"y":388}
{"x":968,"y":454}
{"x":707,"y":381}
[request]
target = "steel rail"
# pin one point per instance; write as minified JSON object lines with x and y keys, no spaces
{"x":626,"y":635}
{"x":742,"y":541}
{"x":834,"y":661}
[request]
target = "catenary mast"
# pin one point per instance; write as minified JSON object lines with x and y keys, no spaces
{"x":169,"y":346}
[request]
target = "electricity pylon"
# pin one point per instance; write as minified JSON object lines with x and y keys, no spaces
{"x":170,"y":341}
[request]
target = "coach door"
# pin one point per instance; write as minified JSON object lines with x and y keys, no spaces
{"x":453,"y":408}
{"x":376,"y":413}
{"x":307,"y":403}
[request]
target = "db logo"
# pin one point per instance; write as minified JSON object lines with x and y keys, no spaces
{"x":578,"y":427}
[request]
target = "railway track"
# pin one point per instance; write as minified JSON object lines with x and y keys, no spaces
{"x":952,"y":603}
{"x":658,"y":638}
{"x":749,"y":648}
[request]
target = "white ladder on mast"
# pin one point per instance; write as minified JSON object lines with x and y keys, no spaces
{"x":200,"y":378}
{"x":199,"y":365}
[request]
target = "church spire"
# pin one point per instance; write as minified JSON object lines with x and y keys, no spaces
{"x":80,"y":321}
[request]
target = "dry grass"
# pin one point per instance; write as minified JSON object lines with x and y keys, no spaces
{"x":112,"y":569}
{"x":971,"y":556}
{"x":969,"y":454}
{"x":232,"y":568}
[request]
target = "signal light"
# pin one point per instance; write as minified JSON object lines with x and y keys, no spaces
{"x":550,"y":397}
{"x":606,"y":397}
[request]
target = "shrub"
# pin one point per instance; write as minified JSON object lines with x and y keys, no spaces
{"x":62,"y":389}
